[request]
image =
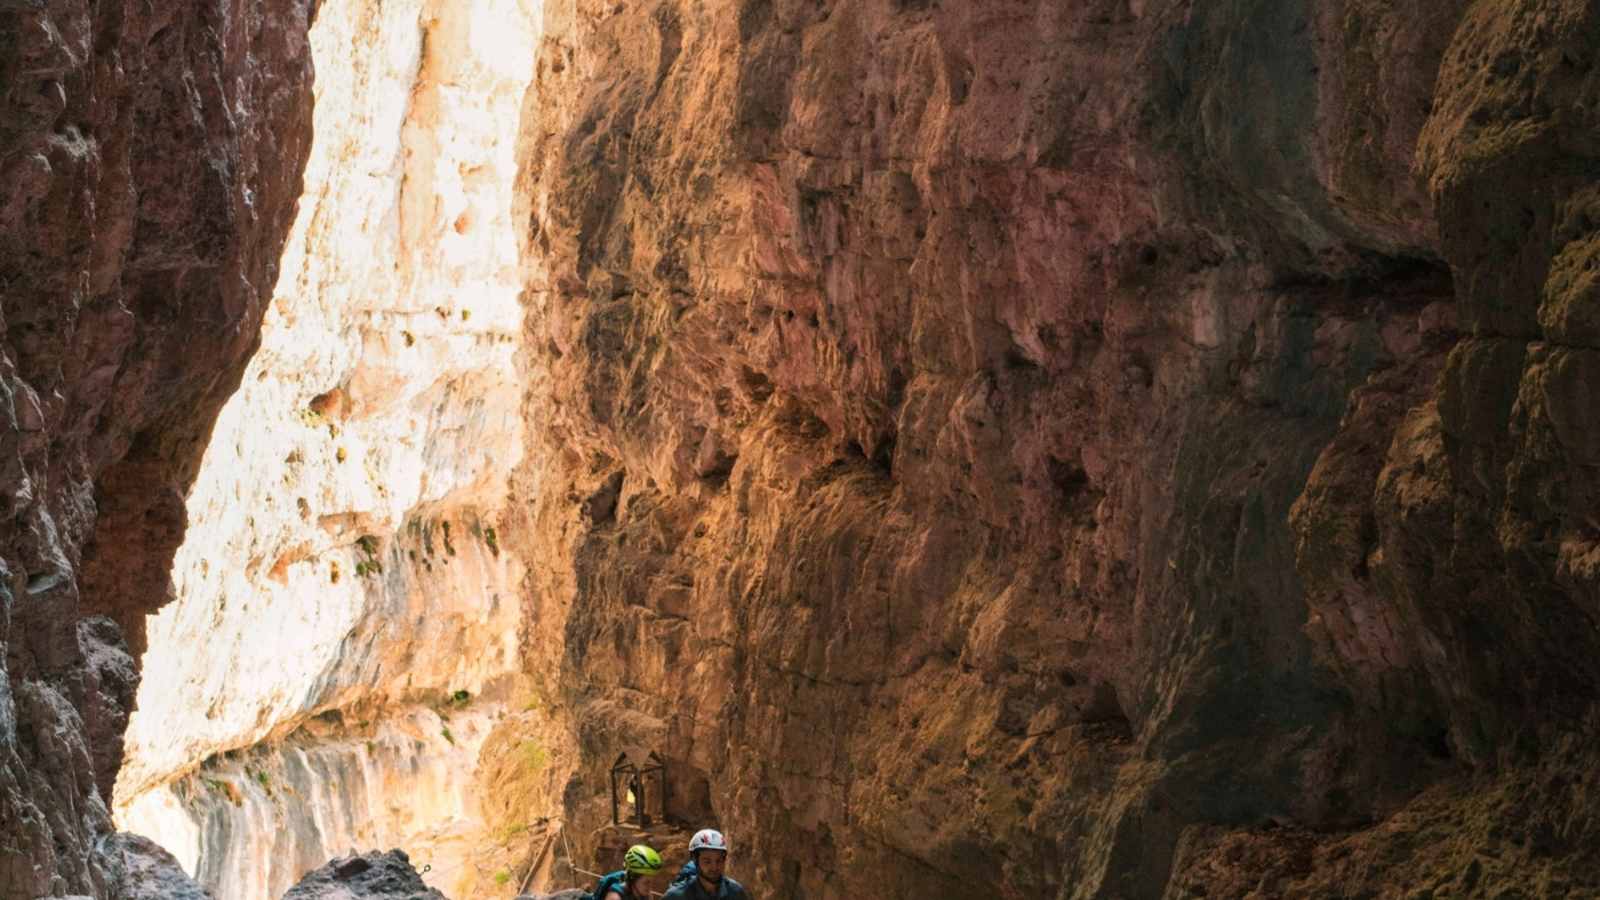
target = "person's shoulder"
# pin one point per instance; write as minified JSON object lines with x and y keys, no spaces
{"x":735,"y":890}
{"x":677,"y":892}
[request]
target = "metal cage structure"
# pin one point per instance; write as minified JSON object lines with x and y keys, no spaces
{"x":638,"y":793}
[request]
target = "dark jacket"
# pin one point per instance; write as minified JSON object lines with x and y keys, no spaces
{"x":691,"y":890}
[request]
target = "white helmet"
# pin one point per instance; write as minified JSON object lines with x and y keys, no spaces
{"x":707,"y":839}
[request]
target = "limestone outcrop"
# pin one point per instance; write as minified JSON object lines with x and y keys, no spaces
{"x":142,"y":870}
{"x":346,"y":629}
{"x":372,"y":876}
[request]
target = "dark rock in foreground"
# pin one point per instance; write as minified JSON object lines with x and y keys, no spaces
{"x":372,"y":875}
{"x":146,"y":871}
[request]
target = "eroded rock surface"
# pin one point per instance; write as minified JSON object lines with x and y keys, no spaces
{"x":372,"y":876}
{"x":346,"y":632}
{"x":150,"y":162}
{"x":144,"y":871}
{"x":1038,"y":445}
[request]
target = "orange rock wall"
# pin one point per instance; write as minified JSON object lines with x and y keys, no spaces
{"x":1042,"y":445}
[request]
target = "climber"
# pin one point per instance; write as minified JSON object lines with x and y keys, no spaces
{"x":702,"y":878}
{"x":636,"y":880}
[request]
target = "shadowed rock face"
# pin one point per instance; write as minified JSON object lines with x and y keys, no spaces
{"x":141,"y":870}
{"x":149,"y":165}
{"x":1095,"y":449}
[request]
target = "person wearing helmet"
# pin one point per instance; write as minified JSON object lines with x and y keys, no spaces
{"x":708,"y":858}
{"x":637,"y":879}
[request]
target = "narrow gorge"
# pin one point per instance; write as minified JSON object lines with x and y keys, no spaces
{"x":346,"y":626}
{"x":1092,"y":449}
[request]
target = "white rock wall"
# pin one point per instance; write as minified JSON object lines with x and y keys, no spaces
{"x":398,"y":783}
{"x":342,"y":552}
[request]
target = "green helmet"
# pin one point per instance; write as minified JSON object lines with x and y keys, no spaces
{"x":641,"y":860}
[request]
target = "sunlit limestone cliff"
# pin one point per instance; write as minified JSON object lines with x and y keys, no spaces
{"x":342,"y":560}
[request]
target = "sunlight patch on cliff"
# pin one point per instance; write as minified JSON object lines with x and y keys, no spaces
{"x":345,"y":547}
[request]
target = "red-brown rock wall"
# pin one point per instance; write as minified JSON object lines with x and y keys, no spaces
{"x":149,"y":165}
{"x":998,"y":443}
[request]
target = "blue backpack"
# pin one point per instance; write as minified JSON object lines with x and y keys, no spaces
{"x":616,"y":881}
{"x":688,"y":873}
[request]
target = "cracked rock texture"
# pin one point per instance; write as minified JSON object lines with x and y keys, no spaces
{"x":1116,"y":449}
{"x":144,"y":871}
{"x":346,"y":629}
{"x":150,"y":160}
{"x":372,"y":876}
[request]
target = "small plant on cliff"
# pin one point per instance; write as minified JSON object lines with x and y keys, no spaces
{"x":490,"y":539}
{"x":445,"y":731}
{"x":370,"y":566}
{"x":311,"y":418}
{"x":502,"y":876}
{"x":534,"y":757}
{"x":460,"y":698}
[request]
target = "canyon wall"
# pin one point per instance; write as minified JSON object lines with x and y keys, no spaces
{"x":346,"y":626}
{"x":1110,"y":449}
{"x":150,"y":161}
{"x":1129,"y":448}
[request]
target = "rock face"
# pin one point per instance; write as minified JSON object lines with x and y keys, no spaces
{"x":251,"y":823}
{"x":1113,"y":449}
{"x":143,"y":871}
{"x":150,"y":162}
{"x":373,"y":876}
{"x":346,"y":630}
